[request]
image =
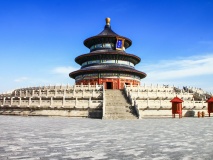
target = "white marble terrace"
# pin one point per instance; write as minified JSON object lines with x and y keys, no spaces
{"x":149,"y":100}
{"x":154,"y":100}
{"x":76,"y":96}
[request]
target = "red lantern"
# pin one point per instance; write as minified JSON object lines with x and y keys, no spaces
{"x":176,"y":106}
{"x":210,"y":105}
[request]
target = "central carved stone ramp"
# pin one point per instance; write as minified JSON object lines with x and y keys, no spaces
{"x":117,"y":106}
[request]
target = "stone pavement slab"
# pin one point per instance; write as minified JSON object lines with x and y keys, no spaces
{"x":44,"y":138}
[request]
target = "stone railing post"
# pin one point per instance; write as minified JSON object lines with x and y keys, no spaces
{"x":89,"y":86}
{"x":63,"y":102}
{"x":33,"y":93}
{"x":19,"y":101}
{"x":76,"y":102}
{"x":29,"y":101}
{"x":104,"y":101}
{"x":55,"y":92}
{"x":128,"y":93}
{"x":202,"y":103}
{"x":47,"y":92}
{"x":193,"y":102}
{"x":138,"y":93}
{"x":4,"y":101}
{"x":81,"y":86}
{"x":147,"y":101}
{"x":51,"y":101}
{"x":93,"y":92}
{"x":11,"y":101}
{"x":89,"y":103}
{"x":39,"y":101}
{"x":96,"y":86}
{"x":137,"y":109}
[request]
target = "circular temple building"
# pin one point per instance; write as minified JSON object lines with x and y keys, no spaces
{"x":107,"y":63}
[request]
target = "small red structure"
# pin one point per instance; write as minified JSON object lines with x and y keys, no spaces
{"x":203,"y":114}
{"x":176,"y":106}
{"x":210,"y":105}
{"x":198,"y":114}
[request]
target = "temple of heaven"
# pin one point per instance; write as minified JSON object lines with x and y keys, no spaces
{"x":107,"y":63}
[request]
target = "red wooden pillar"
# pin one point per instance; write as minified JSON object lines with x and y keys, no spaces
{"x":176,"y":106}
{"x":99,"y":81}
{"x":118,"y":83}
{"x":210,"y":105}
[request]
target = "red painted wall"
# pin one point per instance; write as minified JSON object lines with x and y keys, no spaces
{"x":117,"y":83}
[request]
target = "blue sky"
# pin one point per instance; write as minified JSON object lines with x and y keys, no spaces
{"x":39,"y":39}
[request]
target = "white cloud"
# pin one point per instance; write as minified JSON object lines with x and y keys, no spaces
{"x":180,"y":68}
{"x":64,"y":70}
{"x":21,"y":79}
{"x":196,"y":71}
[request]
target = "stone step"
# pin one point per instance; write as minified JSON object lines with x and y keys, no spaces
{"x":119,"y":117}
{"x":120,"y":105}
{"x":116,"y":102}
{"x":128,"y":115}
{"x":117,"y":106}
{"x":116,"y":98}
{"x":117,"y":111}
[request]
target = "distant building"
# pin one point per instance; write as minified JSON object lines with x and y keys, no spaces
{"x":107,"y":63}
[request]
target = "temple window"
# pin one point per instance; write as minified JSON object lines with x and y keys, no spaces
{"x":108,"y":61}
{"x":107,"y":45}
{"x":99,"y":46}
{"x":85,"y":63}
{"x":102,"y":46}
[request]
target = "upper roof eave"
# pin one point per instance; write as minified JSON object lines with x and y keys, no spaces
{"x":82,"y":58}
{"x":102,"y":70}
{"x":88,"y":44}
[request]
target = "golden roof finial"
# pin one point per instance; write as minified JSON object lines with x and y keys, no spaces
{"x":107,"y":21}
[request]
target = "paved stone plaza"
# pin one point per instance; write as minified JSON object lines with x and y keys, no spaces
{"x":52,"y":138}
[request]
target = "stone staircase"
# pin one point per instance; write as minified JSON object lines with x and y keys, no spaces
{"x":117,"y":106}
